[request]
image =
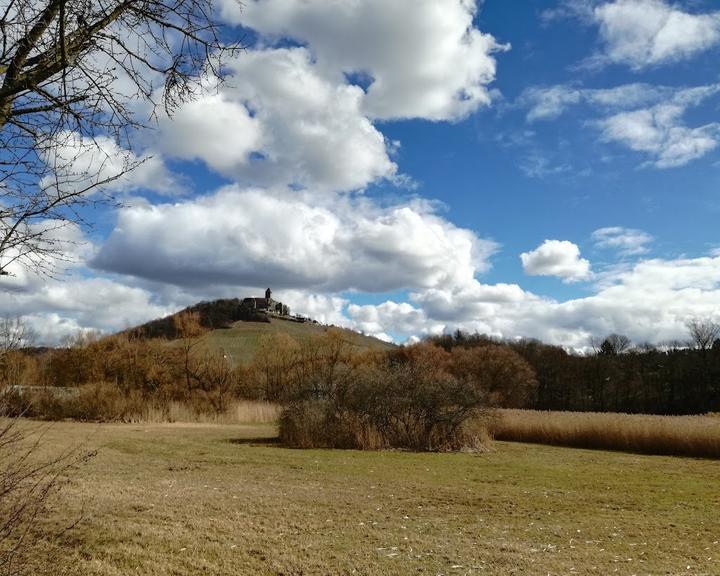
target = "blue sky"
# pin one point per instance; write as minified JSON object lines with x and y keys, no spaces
{"x":541,"y":168}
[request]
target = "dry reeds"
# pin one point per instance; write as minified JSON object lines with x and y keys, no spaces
{"x":103,"y":402}
{"x":697,"y":436}
{"x":239,"y":412}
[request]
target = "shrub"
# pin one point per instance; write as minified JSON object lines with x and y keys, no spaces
{"x":28,"y":484}
{"x":408,"y":400}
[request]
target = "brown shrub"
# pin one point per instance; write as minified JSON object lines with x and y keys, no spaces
{"x":500,"y":372}
{"x":408,"y":401}
{"x":28,"y":484}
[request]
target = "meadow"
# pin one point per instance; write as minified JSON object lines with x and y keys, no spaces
{"x":165,"y":499}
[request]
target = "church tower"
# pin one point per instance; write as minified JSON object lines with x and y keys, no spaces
{"x":268,"y":295}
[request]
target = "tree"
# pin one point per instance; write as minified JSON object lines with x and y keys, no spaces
{"x":504,"y":376}
{"x":75,"y":77}
{"x":14,"y":334}
{"x":703,"y":333}
{"x":614,"y":344}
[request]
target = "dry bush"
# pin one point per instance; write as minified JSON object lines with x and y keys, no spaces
{"x":506,"y":378}
{"x":276,"y":365}
{"x":317,"y":424}
{"x":105,"y":402}
{"x":669,"y":435}
{"x":408,"y":399}
{"x":28,"y":485}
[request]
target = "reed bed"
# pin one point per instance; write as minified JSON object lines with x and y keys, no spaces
{"x":239,"y":412}
{"x":697,"y":436}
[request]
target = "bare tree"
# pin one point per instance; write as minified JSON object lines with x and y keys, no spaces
{"x":14,"y":334}
{"x":703,"y":333}
{"x":77,"y":78}
{"x":614,"y":344}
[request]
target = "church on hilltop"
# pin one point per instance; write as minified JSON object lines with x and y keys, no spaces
{"x":265,"y":305}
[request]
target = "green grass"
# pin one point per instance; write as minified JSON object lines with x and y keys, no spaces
{"x":241,"y":341}
{"x":191,"y":499}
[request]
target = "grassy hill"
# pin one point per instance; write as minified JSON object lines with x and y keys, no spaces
{"x":241,"y":340}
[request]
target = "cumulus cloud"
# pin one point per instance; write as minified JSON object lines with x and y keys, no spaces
{"x":649,"y":301}
{"x":279,"y":121}
{"x":58,"y":308}
{"x":644,"y":33}
{"x":73,"y":300}
{"x":626,"y":241}
{"x":252,"y":237}
{"x":83,"y":163}
{"x":556,"y":258}
{"x":400,"y":317}
{"x":214,"y":128}
{"x":419,"y":58}
{"x":660,"y":133}
{"x":303,"y":116}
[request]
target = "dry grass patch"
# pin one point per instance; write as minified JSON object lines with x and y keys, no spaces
{"x":239,"y":412}
{"x":697,"y":436}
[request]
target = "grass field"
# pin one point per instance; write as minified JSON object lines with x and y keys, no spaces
{"x":241,"y":341}
{"x":164,"y":499}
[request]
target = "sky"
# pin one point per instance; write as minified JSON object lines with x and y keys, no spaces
{"x":545,"y":169}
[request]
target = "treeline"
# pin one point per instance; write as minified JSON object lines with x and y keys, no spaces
{"x":677,"y":378}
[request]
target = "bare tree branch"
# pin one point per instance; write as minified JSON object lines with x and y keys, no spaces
{"x":79,"y":73}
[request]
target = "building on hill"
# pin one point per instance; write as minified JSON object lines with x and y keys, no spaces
{"x":265,"y":305}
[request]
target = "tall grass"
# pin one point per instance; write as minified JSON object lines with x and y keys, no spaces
{"x":697,"y":436}
{"x":103,"y":402}
{"x":239,"y":412}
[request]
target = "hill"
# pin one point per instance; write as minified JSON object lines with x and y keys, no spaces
{"x":231,"y":332}
{"x":241,"y":340}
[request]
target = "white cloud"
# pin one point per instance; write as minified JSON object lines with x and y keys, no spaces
{"x":63,"y":307}
{"x":626,"y":241}
{"x":327,"y":243}
{"x":535,"y":165}
{"x":278,"y":121}
{"x":549,"y":102}
{"x":297,"y":117}
{"x":556,"y":258}
{"x":325,"y":308}
{"x":214,"y":128}
{"x":401,"y":318}
{"x":659,"y":132}
{"x":422,"y":58}
{"x":649,"y":302}
{"x":644,"y":33}
{"x":73,"y":300}
{"x":644,"y":118}
{"x":80,"y":163}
